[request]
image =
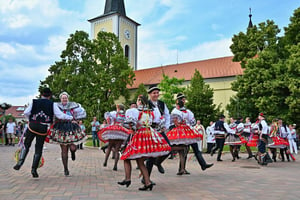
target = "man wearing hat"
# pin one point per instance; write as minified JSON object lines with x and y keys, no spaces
{"x":263,"y":156}
{"x":220,"y":128}
{"x":40,"y":114}
{"x":161,"y":123}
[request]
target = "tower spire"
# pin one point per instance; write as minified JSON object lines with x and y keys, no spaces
{"x":115,"y":6}
{"x":250,"y":25}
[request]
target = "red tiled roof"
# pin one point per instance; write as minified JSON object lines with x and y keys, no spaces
{"x":15,"y":112}
{"x":211,"y":68}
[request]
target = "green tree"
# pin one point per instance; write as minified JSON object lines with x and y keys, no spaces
{"x":200,"y":100}
{"x":169,"y":88}
{"x":270,"y":82}
{"x":94,"y":72}
{"x":140,"y":91}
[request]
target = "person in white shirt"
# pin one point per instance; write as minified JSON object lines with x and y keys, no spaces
{"x":10,"y":131}
{"x":292,"y":139}
{"x":210,"y":138}
{"x":40,"y":114}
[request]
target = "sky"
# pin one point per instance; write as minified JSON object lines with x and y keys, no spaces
{"x":33,"y":33}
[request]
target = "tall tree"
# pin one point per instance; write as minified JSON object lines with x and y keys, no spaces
{"x":270,"y":80}
{"x":169,"y":88}
{"x":93,"y":72}
{"x":200,"y":100}
{"x":140,"y":91}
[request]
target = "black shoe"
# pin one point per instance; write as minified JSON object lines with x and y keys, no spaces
{"x":180,"y":173}
{"x":103,"y":149}
{"x":17,"y":167}
{"x":160,"y":169}
{"x":207,"y":166}
{"x":73,"y":155}
{"x":66,"y":172}
{"x":124,"y":182}
{"x":143,"y":182}
{"x":186,"y":172}
{"x":251,"y":156}
{"x":211,"y":153}
{"x":146,"y":187}
{"x":233,"y":160}
{"x":115,"y":168}
{"x":104,"y":164}
{"x":220,"y":160}
{"x":34,"y":173}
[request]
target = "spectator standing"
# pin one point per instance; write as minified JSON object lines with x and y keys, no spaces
{"x":10,"y":131}
{"x":210,"y":137}
{"x":95,"y":127}
{"x":1,"y":132}
{"x":80,"y":146}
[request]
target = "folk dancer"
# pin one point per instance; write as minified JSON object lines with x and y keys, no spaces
{"x":183,"y":135}
{"x":263,"y":157}
{"x":40,"y":114}
{"x":145,"y":142}
{"x":161,"y":123}
{"x":115,"y":134}
{"x":220,"y":128}
{"x":246,"y":134}
{"x":65,"y":133}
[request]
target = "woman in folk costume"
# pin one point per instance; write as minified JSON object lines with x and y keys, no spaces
{"x":277,"y":142}
{"x":254,"y":136}
{"x":182,"y":135}
{"x":66,"y":133}
{"x":144,"y":142}
{"x":115,"y":134}
{"x":234,"y":138}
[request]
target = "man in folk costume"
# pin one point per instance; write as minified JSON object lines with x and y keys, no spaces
{"x":263,"y":156}
{"x":220,"y":128}
{"x":40,"y":114}
{"x":161,"y":123}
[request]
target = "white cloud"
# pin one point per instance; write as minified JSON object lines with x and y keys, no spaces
{"x":6,"y":50}
{"x":17,"y":21}
{"x":154,"y":54}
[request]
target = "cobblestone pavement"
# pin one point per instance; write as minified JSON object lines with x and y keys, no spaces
{"x":243,"y":179}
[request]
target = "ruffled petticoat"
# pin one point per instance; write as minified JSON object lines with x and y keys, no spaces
{"x":146,"y":142}
{"x":183,"y":134}
{"x":66,"y":132}
{"x":278,"y":142}
{"x":113,"y":132}
{"x":233,"y":139}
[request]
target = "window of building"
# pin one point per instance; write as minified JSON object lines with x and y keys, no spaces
{"x":127,"y":52}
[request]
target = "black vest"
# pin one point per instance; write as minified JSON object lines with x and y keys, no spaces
{"x":160,"y":105}
{"x":42,"y":111}
{"x":219,"y":126}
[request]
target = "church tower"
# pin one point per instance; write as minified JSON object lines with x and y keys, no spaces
{"x":114,"y":20}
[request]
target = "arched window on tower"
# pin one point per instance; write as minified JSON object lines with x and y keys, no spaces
{"x":127,"y":51}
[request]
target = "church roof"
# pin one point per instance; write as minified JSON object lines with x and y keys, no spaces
{"x":115,"y":6}
{"x":211,"y":68}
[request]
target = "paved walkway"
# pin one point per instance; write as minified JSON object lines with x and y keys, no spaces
{"x":89,"y":180}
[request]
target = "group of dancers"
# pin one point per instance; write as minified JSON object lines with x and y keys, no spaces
{"x":147,"y":133}
{"x":258,"y":134}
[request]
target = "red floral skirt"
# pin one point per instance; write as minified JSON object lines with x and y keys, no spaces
{"x":146,"y":142}
{"x":253,"y":140}
{"x":183,"y":134}
{"x":278,"y":142}
{"x":113,"y":132}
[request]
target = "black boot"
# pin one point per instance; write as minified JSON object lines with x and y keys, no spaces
{"x":35,"y":164}
{"x":282,"y":155}
{"x":201,"y":161}
{"x":158,"y":162}
{"x":22,"y":157}
{"x":219,"y":156}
